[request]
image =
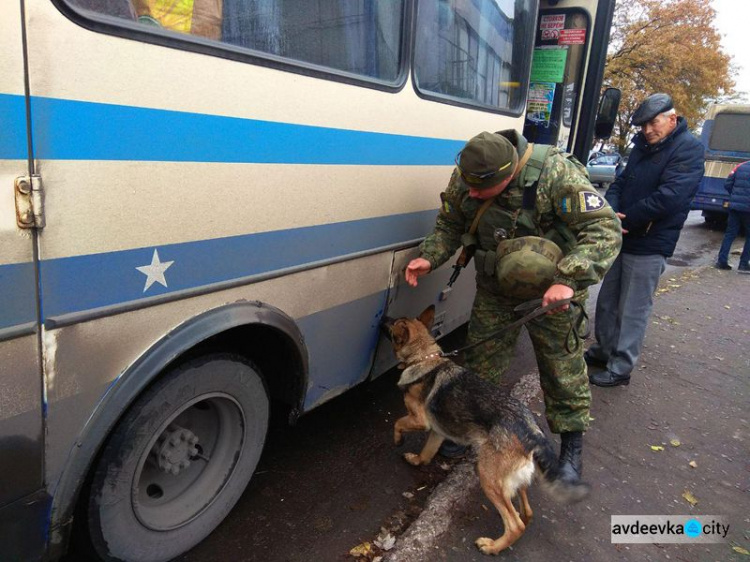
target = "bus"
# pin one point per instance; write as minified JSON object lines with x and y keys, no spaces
{"x":198,"y":197}
{"x":726,"y":139}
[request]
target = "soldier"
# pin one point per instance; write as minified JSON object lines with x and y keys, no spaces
{"x":543,"y":232}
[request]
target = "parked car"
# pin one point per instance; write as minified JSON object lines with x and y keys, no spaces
{"x":604,"y":168}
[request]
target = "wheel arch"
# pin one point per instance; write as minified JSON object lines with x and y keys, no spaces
{"x":250,"y":328}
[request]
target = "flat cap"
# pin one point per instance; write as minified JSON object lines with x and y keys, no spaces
{"x":486,"y":160}
{"x":651,"y":107}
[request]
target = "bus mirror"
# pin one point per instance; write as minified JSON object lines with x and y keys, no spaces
{"x":605,"y":117}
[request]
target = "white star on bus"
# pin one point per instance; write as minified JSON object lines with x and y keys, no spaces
{"x":154,"y":272}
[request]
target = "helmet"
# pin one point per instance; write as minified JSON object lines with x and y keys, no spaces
{"x":525,"y":267}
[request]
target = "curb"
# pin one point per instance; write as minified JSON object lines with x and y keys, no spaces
{"x":449,"y":497}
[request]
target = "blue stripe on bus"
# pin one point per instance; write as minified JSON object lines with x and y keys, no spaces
{"x":17,"y":294}
{"x":81,"y":283}
{"x":76,"y":130}
{"x":13,"y":143}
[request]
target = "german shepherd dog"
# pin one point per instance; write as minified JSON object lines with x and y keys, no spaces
{"x":454,"y":403}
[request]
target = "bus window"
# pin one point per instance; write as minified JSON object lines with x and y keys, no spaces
{"x":355,"y":37}
{"x":474,"y":52}
{"x":359,"y":37}
{"x":730,"y":133}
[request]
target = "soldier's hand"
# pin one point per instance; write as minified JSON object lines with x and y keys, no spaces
{"x":416,"y":268}
{"x":557,"y":293}
{"x":622,"y":216}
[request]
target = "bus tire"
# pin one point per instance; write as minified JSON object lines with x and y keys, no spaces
{"x":715,"y":220}
{"x":179,"y":460}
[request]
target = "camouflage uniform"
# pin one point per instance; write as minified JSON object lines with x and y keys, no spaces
{"x":590,"y":236}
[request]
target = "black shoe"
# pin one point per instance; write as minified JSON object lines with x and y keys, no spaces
{"x":592,"y":361}
{"x":571,"y":459}
{"x":723,"y":265}
{"x":743,"y":269}
{"x":608,"y":378}
{"x":452,"y":450}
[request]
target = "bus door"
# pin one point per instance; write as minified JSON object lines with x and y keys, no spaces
{"x":21,"y":441}
{"x":564,"y":52}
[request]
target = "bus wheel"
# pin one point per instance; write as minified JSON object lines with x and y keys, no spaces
{"x":179,"y":460}
{"x":715,"y":220}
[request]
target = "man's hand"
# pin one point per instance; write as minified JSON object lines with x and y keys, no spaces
{"x":557,"y":293}
{"x":621,"y":216}
{"x":416,"y":268}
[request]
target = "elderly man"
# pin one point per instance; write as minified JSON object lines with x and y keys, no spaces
{"x":538,"y":229}
{"x":652,"y":198}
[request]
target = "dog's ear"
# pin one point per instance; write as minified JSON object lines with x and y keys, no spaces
{"x":428,"y":316}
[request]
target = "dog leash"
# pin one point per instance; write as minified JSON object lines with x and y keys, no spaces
{"x":536,"y":311}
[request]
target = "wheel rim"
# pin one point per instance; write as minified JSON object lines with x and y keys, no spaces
{"x":188,"y":462}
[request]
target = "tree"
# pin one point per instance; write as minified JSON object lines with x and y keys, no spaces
{"x":666,"y":46}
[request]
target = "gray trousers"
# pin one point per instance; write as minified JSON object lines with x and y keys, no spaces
{"x":623,"y":309}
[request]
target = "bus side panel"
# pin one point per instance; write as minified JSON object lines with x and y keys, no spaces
{"x":21,"y":436}
{"x":23,"y":527}
{"x":86,"y":361}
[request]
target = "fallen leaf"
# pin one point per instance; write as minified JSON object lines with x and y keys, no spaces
{"x":688,"y":495}
{"x":361,"y":550}
{"x":727,"y":306}
{"x":656,"y":448}
{"x":741,"y":550}
{"x":385,"y":541}
{"x":675,"y":443}
{"x":693,"y":464}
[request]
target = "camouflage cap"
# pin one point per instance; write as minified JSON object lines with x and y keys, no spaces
{"x":526,"y":266}
{"x":651,"y":107}
{"x":486,"y":160}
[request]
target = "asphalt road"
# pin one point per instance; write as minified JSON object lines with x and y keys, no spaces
{"x":333,"y":480}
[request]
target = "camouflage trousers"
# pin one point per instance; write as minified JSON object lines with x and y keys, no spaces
{"x":563,"y":375}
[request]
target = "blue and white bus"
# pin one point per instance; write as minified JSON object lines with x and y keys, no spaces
{"x":726,"y":138}
{"x":198,"y":197}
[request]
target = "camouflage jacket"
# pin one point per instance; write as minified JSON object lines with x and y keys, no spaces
{"x":566,"y":202}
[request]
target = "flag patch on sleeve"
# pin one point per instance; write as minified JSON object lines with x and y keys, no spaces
{"x":590,"y":201}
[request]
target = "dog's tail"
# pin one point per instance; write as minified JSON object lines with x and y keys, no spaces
{"x":552,"y":482}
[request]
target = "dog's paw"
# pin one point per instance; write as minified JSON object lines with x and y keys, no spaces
{"x":412,"y":458}
{"x":486,"y":545}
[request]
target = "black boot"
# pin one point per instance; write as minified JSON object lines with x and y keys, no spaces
{"x":571,"y":461}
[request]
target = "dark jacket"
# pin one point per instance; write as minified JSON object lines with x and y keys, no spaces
{"x":655,"y":190}
{"x":738,"y":186}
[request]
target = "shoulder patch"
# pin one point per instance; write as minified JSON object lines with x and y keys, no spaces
{"x":589,"y":202}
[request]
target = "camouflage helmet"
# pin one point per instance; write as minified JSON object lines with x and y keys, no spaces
{"x":525,"y":267}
